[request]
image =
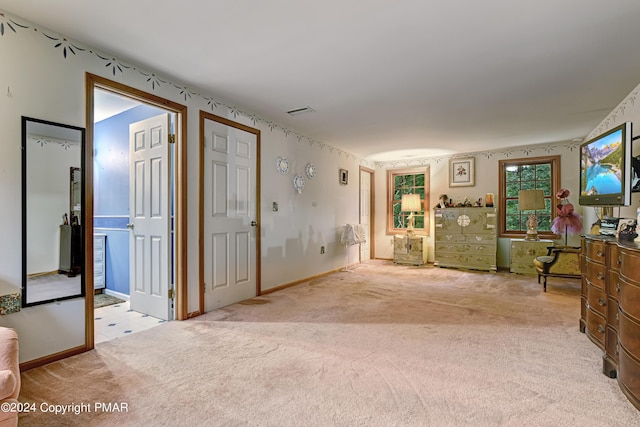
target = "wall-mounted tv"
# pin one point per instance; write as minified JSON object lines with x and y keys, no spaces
{"x":605,"y":168}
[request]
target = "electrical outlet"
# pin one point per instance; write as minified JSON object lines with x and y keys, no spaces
{"x":321,"y":249}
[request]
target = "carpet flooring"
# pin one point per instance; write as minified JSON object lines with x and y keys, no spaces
{"x":382,"y":345}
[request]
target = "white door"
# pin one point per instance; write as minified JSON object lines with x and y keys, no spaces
{"x":365,"y":213}
{"x":149,"y":216}
{"x":229,"y":214}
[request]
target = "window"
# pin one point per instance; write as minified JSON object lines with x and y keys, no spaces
{"x":407,"y":181}
{"x":538,"y":173}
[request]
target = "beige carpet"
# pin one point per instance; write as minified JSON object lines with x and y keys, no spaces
{"x":383,"y":345}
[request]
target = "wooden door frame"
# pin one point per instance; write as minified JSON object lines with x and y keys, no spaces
{"x":372,"y":214}
{"x":208,"y":116}
{"x":92,"y":82}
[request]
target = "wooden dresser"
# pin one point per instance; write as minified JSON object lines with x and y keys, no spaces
{"x":466,"y":238}
{"x":610,"y":308}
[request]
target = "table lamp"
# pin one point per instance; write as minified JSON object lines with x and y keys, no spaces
{"x":410,"y":203}
{"x":531,"y":200}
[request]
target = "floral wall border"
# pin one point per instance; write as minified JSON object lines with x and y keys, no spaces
{"x":526,"y":151}
{"x":610,"y":121}
{"x":68,"y":49}
{"x":10,"y":24}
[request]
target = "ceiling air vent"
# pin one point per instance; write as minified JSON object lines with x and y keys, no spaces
{"x":300,"y":111}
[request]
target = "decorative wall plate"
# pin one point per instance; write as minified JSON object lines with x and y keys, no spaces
{"x":282,"y":165}
{"x":311,"y":170}
{"x":298,"y":183}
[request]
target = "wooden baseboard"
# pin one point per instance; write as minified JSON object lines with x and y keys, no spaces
{"x":297,"y":282}
{"x":25,"y":366}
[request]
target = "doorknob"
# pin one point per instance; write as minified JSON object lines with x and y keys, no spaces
{"x":130,"y":226}
{"x":254,"y":223}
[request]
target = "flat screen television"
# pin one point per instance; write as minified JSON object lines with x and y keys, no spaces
{"x":605,"y":168}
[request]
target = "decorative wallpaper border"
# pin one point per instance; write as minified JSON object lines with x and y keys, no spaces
{"x":519,"y":151}
{"x":612,"y":118}
{"x":116,"y":67}
{"x":68,"y":49}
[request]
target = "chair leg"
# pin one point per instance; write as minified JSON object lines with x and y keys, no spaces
{"x":545,"y":283}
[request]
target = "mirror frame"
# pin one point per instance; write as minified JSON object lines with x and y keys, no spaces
{"x":82,"y":293}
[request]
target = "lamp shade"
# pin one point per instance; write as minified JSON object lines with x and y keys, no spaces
{"x":530,"y":200}
{"x":411,"y":203}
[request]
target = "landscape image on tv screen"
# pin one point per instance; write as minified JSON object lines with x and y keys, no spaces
{"x":602,"y":165}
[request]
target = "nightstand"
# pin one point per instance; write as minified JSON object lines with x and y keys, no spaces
{"x":523,"y":252}
{"x":410,"y":250}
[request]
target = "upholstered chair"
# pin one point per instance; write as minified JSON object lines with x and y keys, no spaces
{"x":560,"y":261}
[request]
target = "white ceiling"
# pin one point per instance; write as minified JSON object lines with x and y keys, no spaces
{"x":413,"y":77}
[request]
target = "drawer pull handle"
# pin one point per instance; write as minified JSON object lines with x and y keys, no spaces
{"x":618,"y":286}
{"x":601,"y":329}
{"x":600,"y":276}
{"x":600,"y":253}
{"x":438,"y":225}
{"x":619,"y":260}
{"x":602,"y":302}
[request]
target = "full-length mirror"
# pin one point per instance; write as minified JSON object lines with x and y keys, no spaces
{"x":52,"y":206}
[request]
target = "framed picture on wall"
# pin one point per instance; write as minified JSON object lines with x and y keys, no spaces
{"x":462,"y":172}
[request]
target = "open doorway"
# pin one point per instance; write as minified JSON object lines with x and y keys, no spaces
{"x":136,"y":183}
{"x":367,"y":219}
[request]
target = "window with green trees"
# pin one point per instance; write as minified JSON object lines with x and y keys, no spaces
{"x":540,"y":173}
{"x":407,"y":181}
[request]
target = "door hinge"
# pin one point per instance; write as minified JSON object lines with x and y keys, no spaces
{"x":170,"y":293}
{"x":172,"y":138}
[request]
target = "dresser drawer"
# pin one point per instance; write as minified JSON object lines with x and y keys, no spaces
{"x":466,"y":260}
{"x":596,"y":274}
{"x":629,"y":299}
{"x":597,"y":300}
{"x":629,"y":373}
{"x":596,"y":327}
{"x":612,"y":313}
{"x":595,"y":251}
{"x":465,"y":238}
{"x":628,"y":335}
{"x":613,"y":283}
{"x":613,"y":257}
{"x":467,"y":248}
{"x":630,"y":265}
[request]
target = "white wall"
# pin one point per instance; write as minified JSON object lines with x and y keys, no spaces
{"x":37,"y":80}
{"x":486,"y":181}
